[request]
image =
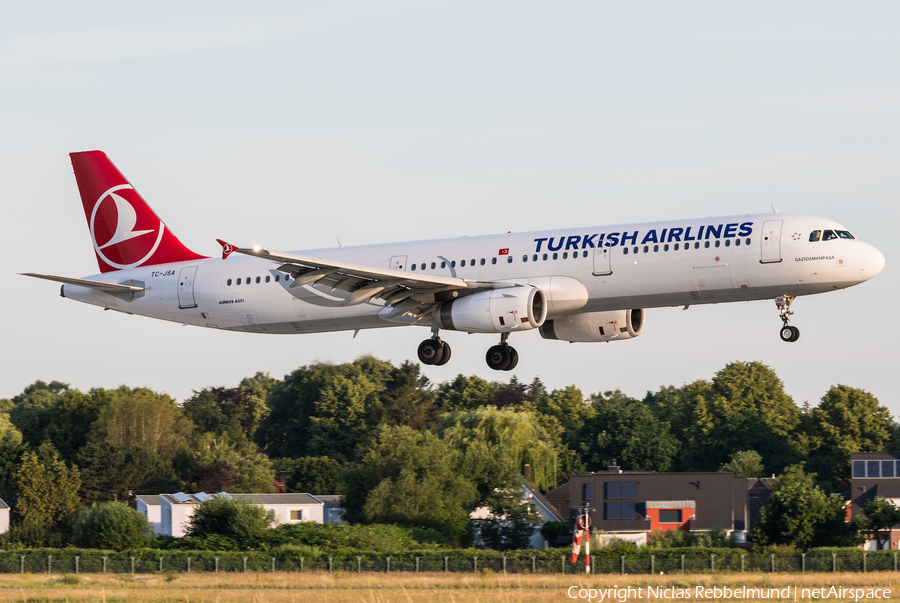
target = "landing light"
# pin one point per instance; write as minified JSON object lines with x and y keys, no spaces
{"x":257,"y":248}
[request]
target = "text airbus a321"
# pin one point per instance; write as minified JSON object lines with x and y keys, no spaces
{"x":585,"y":284}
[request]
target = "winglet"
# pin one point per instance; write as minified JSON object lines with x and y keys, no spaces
{"x":227,"y":248}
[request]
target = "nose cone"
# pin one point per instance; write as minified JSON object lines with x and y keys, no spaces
{"x":871,"y":262}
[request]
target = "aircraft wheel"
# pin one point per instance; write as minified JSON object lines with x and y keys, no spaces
{"x":445,"y":354}
{"x":513,"y":359}
{"x":787,"y":333}
{"x":430,"y":351}
{"x":796,"y":335}
{"x":498,"y":357}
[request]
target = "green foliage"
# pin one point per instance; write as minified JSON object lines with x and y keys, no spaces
{"x":554,"y":531}
{"x":510,"y":525}
{"x":313,"y":474}
{"x":714,"y":538}
{"x":881,"y":514}
{"x":110,"y":471}
{"x":745,"y":463}
{"x":222,"y":467}
{"x":46,"y":489}
{"x":240,"y":520}
{"x":114,"y":526}
{"x":796,"y":510}
{"x":343,"y":537}
{"x":234,"y":412}
{"x":611,"y":547}
{"x":407,"y":477}
{"x":669,"y":539}
{"x":492,"y":442}
{"x":32,"y":536}
{"x":141,"y":417}
{"x":627,"y":430}
{"x":465,"y":394}
{"x":847,"y":420}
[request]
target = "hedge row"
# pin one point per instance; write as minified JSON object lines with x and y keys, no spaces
{"x":555,"y":561}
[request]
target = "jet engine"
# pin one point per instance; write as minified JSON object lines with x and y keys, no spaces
{"x":497,"y":311}
{"x":595,"y":326}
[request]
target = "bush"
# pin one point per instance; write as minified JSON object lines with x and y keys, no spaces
{"x":113,"y":526}
{"x":240,"y":520}
{"x":669,"y":539}
{"x":31,"y":536}
{"x":342,"y":537}
{"x":552,"y":531}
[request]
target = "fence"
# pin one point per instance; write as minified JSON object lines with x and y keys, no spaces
{"x":58,"y":561}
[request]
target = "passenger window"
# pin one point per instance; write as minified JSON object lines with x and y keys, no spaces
{"x":555,"y":256}
{"x":844,"y":234}
{"x":462,"y":264}
{"x":676,"y":246}
{"x":737,"y":242}
{"x":635,"y":250}
{"x":524,"y":258}
{"x":414,"y":267}
{"x":815,"y":236}
{"x":472,"y":262}
{"x":509,"y":260}
{"x":655,"y":248}
{"x":249,"y":280}
{"x":434,"y":265}
{"x":493,"y":260}
{"x":584,"y":253}
{"x":239,"y":281}
{"x":229,"y":282}
{"x":646,"y":249}
{"x":625,"y":251}
{"x":277,"y":277}
{"x":727,"y":242}
{"x":706,"y":244}
{"x":443,"y":264}
{"x":666,"y":247}
{"x":257,"y":280}
{"x":565,"y":255}
{"x":422,"y":266}
{"x":828,"y":235}
{"x":482,"y":261}
{"x":535,"y":256}
{"x":545,"y":257}
{"x":268,"y":278}
{"x":717,"y":242}
{"x":697,"y":245}
{"x":453,"y":264}
{"x":747,"y":242}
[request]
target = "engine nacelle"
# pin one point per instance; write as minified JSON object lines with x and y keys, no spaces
{"x":595,"y":326}
{"x":497,"y":311}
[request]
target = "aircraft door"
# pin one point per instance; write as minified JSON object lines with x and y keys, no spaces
{"x":398,"y":262}
{"x":186,"y":287}
{"x":771,"y":242}
{"x":601,"y":261}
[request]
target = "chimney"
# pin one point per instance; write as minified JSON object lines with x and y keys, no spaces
{"x":283,"y":481}
{"x":614,"y":468}
{"x":527,"y":471}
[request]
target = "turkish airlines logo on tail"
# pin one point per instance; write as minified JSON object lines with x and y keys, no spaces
{"x":122,"y":237}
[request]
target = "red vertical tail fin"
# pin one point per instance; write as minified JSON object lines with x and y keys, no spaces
{"x":125,"y":232}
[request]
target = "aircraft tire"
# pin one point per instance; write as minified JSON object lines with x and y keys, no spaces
{"x":787,"y":333}
{"x":513,"y":359}
{"x":796,"y":334}
{"x":445,"y":354}
{"x":498,"y":357}
{"x":430,"y":351}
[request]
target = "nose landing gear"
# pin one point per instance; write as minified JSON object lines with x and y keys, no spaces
{"x":788,"y":333}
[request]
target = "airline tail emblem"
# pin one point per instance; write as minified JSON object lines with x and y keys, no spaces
{"x":125,"y":232}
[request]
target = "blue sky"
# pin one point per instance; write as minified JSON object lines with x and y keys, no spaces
{"x":293,"y":124}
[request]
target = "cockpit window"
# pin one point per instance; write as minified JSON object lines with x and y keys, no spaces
{"x":814,"y":236}
{"x":828,"y":235}
{"x":844,"y":234}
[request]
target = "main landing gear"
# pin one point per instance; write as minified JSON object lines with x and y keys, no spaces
{"x":501,"y":357}
{"x":788,"y":333}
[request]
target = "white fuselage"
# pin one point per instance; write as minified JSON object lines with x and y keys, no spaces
{"x":739,"y":258}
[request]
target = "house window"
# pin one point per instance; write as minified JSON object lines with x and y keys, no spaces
{"x":620,"y":510}
{"x":859,"y":468}
{"x":887,"y":468}
{"x":620,"y":490}
{"x":872,"y":469}
{"x":586,"y":491}
{"x":296,"y":515}
{"x":670,"y":516}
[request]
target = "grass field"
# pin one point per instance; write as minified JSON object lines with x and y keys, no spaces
{"x":380,"y":588}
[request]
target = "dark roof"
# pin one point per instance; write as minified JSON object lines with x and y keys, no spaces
{"x":3,"y":504}
{"x":537,"y":494}
{"x":280,"y":499}
{"x":150,"y":499}
{"x":330,"y":500}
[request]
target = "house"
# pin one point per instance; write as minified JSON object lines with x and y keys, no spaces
{"x":174,"y":510}
{"x":630,"y":504}
{"x":537,"y":502}
{"x":333,"y":511}
{"x":4,"y":517}
{"x":875,"y":474}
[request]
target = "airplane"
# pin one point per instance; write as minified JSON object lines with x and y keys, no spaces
{"x":582,"y":284}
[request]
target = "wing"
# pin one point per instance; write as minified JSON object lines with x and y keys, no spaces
{"x":410,"y":293}
{"x":111,"y":288}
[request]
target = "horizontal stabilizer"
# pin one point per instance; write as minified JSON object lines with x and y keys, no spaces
{"x":111,"y":288}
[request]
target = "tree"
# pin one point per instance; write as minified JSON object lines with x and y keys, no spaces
{"x":510,"y":525}
{"x":746,"y":463}
{"x":407,"y":398}
{"x":495,"y":445}
{"x":252,"y":470}
{"x":847,"y":420}
{"x":11,"y":449}
{"x":345,"y":414}
{"x":112,"y":526}
{"x":47,"y":490}
{"x":238,"y":519}
{"x":796,"y":510}
{"x":881,"y":514}
{"x":409,"y":478}
{"x":142,"y":417}
{"x":111,"y":472}
{"x":235,"y":412}
{"x":626,"y":429}
{"x":30,"y":412}
{"x":465,"y":394}
{"x":316,"y":475}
